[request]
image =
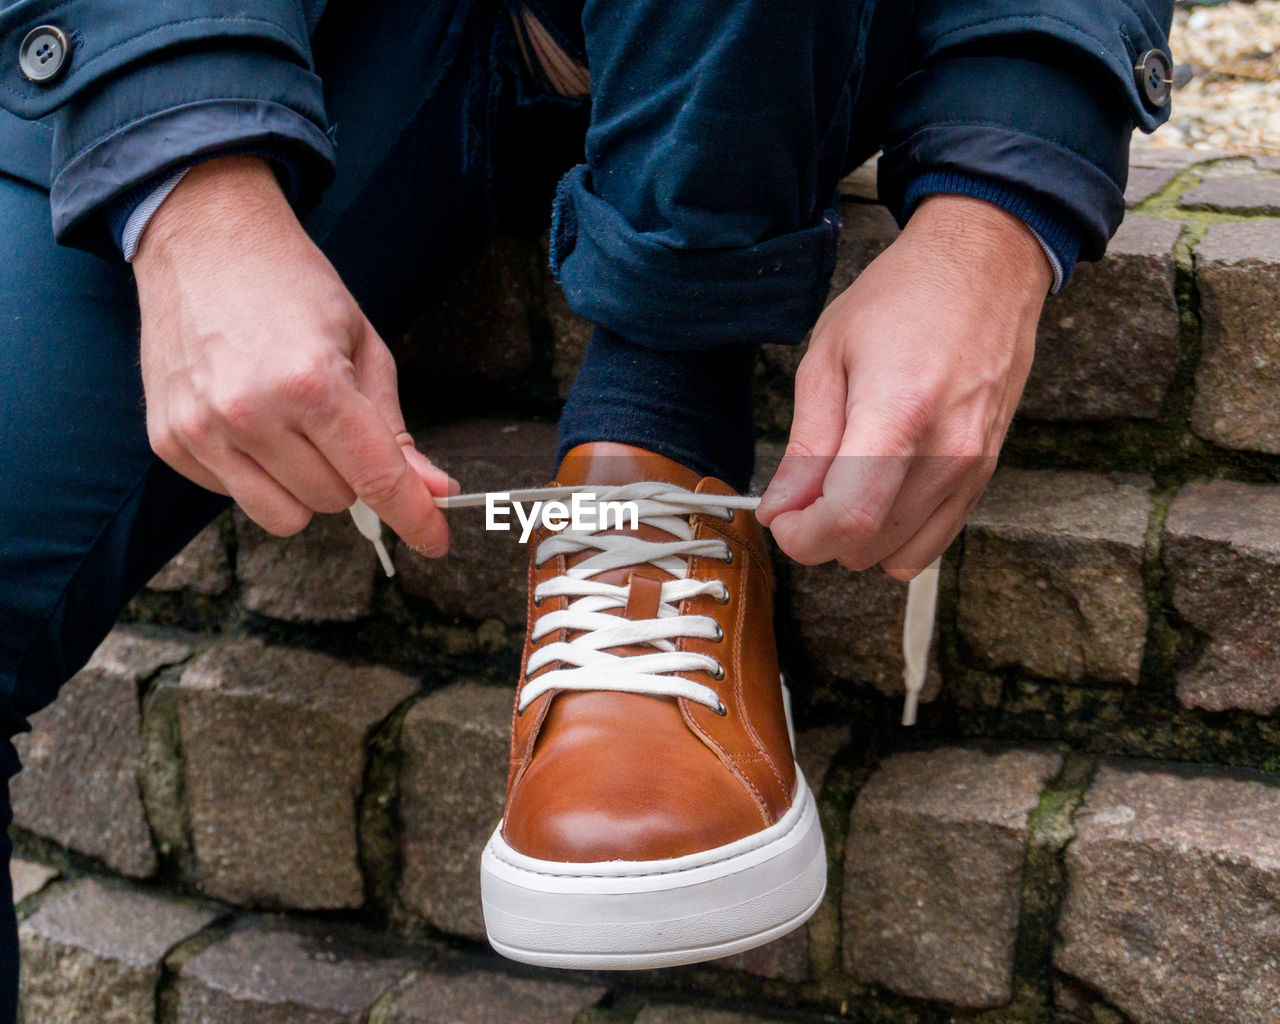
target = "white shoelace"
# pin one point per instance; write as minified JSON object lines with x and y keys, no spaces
{"x":590,"y":666}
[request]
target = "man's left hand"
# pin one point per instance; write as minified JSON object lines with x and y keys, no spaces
{"x":907,"y":390}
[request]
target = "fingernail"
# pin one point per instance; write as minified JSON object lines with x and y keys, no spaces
{"x":454,"y":486}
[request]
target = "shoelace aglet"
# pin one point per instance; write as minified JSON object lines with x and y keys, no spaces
{"x":370,"y":526}
{"x":917,"y":635}
{"x":910,"y":704}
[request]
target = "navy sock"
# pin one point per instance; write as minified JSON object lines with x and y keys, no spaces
{"x":690,"y":405}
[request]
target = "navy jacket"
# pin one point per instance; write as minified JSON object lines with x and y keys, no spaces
{"x":1039,"y":94}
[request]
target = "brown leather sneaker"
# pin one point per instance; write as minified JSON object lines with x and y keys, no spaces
{"x":655,"y":814}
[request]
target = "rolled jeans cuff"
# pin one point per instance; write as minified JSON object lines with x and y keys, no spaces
{"x":662,"y":296}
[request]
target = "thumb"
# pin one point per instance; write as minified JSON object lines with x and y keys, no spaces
{"x":376,"y":377}
{"x":378,"y":381}
{"x":438,"y":482}
{"x":817,"y":426}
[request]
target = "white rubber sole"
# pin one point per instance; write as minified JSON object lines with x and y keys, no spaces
{"x":621,"y":915}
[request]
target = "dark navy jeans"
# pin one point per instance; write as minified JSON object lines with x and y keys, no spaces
{"x":714,"y":151}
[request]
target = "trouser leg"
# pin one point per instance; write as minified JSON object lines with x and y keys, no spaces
{"x":703,"y":213}
{"x":701,"y":223}
{"x":87,"y":513}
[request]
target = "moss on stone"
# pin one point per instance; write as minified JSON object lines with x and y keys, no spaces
{"x":181,"y":954}
{"x":377,"y":828}
{"x":162,"y":779}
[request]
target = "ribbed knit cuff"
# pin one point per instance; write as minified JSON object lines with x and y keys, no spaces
{"x":1058,"y":236}
{"x":154,"y":190}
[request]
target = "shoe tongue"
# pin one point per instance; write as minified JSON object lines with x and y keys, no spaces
{"x":609,"y":464}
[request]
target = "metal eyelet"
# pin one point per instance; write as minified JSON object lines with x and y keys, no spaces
{"x":716,"y":673}
{"x":733,"y":514}
{"x":719,"y":637}
{"x":723,"y":597}
{"x":720,"y":709}
{"x":728,"y":558}
{"x":537,"y":601}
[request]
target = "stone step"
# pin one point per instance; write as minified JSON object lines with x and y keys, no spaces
{"x":83,"y":759}
{"x":1165,"y":912}
{"x":457,"y":992}
{"x":274,"y":750}
{"x":95,"y":954}
{"x":1174,"y":894}
{"x":274,"y":971}
{"x":109,"y":953}
{"x":933,"y":871}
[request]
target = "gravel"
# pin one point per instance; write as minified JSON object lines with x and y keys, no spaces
{"x":1227,"y":72}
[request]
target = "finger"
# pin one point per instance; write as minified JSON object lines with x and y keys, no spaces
{"x":931,"y":540}
{"x":261,"y":497}
{"x":438,"y":482}
{"x":181,"y":461}
{"x":377,"y":379}
{"x":858,"y":490}
{"x":357,"y":442}
{"x":943,"y":526}
{"x":299,"y":467}
{"x":930,"y":481}
{"x":816,"y":429}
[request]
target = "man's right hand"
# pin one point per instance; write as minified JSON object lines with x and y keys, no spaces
{"x":263,"y":379}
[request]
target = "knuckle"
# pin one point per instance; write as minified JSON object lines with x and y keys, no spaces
{"x":307,"y":384}
{"x":912,"y":412}
{"x":968,"y":441}
{"x":239,"y":411}
{"x":333,"y":501}
{"x":800,"y":447}
{"x":959,"y":467}
{"x":164,"y":444}
{"x":967,"y":457}
{"x":337,"y":314}
{"x":855,"y":524}
{"x":192,"y":429}
{"x":379,"y":486}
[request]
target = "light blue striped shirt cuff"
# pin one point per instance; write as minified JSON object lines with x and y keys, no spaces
{"x":143,"y":212}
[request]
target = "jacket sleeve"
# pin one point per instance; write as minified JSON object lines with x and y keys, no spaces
{"x":150,"y":84}
{"x":1037,"y":95}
